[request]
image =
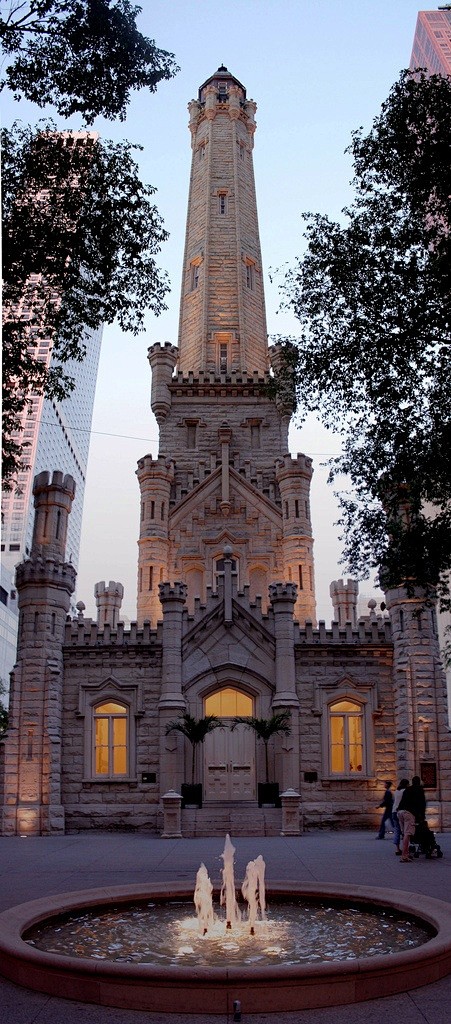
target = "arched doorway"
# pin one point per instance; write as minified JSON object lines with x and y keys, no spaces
{"x":229,"y":756}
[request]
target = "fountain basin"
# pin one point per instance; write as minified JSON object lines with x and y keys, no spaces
{"x":206,"y":989}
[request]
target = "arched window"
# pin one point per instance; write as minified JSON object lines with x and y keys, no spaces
{"x":346,"y":732}
{"x":111,"y":740}
{"x":228,"y":702}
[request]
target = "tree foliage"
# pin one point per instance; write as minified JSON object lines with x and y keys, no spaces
{"x":265,"y":728}
{"x":80,"y":235}
{"x":195,"y":730}
{"x":81,"y":56}
{"x":373,"y":298}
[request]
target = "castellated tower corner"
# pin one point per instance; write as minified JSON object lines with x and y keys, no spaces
{"x":220,"y":477}
{"x":45,"y":582}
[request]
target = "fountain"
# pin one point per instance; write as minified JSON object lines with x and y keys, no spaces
{"x":143,"y":947}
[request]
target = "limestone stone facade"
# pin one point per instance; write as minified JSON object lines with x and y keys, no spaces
{"x":226,"y":617}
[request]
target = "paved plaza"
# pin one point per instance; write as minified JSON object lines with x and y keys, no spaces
{"x":36,"y":867}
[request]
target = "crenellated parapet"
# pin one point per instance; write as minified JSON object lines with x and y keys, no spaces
{"x":173,"y":593}
{"x":376,"y":633}
{"x":290,"y":467}
{"x":86,"y":635}
{"x":46,"y":572}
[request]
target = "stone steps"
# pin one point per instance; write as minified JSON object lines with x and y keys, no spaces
{"x":234,"y":819}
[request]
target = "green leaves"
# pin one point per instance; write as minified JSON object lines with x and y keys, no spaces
{"x":81,"y":234}
{"x":373,"y":298}
{"x":81,"y":56}
{"x":265,"y":728}
{"x":195,"y":730}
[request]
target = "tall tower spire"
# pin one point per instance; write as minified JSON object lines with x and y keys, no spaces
{"x":222,"y":309}
{"x":224,"y":478}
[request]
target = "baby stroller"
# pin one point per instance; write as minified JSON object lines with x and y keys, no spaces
{"x":424,"y":841}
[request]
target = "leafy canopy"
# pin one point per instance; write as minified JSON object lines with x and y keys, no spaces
{"x":195,"y":730}
{"x":81,"y":56}
{"x":373,"y":299}
{"x":80,"y":236}
{"x":265,"y":728}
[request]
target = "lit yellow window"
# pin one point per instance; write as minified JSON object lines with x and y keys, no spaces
{"x":110,"y":740}
{"x":228,"y":702}
{"x":346,"y":738}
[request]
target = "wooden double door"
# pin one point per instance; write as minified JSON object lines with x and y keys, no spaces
{"x":229,"y":763}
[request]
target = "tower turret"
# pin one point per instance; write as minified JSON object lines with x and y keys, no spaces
{"x":294,"y":477}
{"x":108,"y":601}
{"x":45,"y":582}
{"x":344,"y":600}
{"x":155,"y":478}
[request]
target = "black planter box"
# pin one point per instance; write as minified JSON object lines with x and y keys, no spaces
{"x":268,"y":794}
{"x":191,"y":794}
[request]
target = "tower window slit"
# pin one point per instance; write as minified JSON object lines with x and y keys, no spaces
{"x":223,"y":358}
{"x":301,"y":583}
{"x":58,"y":523}
{"x":152,"y":510}
{"x":194,"y":276}
{"x":296,"y":508}
{"x":150,"y":577}
{"x":255,"y":435}
{"x":162,"y":510}
{"x":286,"y":510}
{"x":191,"y":435}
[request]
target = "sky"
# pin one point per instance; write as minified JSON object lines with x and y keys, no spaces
{"x":317,"y":69}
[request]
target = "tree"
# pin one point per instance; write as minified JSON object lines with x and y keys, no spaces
{"x":80,"y":238}
{"x":81,"y":56}
{"x":3,"y":711}
{"x":195,"y":730}
{"x":373,"y":297}
{"x":265,"y":728}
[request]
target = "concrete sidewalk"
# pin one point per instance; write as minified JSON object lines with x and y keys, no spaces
{"x":33,"y":867}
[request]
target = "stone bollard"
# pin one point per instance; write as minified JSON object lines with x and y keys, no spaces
{"x":290,"y":813}
{"x":172,"y":822}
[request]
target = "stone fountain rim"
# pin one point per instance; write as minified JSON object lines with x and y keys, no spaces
{"x":213,"y":989}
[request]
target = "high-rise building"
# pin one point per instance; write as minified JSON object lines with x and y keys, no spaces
{"x":431,"y":47}
{"x":54,"y":433}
